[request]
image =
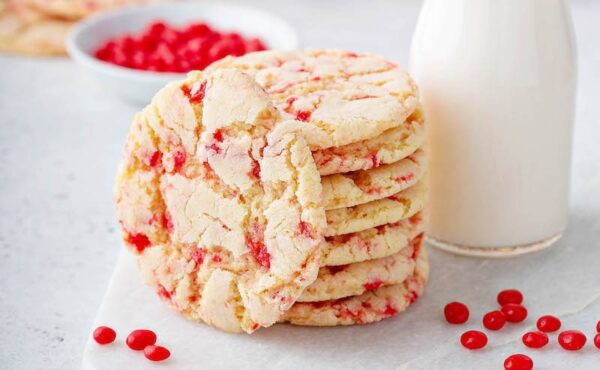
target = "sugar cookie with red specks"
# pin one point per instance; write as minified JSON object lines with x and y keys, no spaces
{"x":373,"y":243}
{"x":366,"y":308}
{"x":336,"y":282}
{"x":77,"y":9}
{"x":26,"y":31}
{"x":221,"y":203}
{"x":378,"y":212}
{"x":340,"y":97}
{"x":359,"y":187}
{"x":389,"y":147}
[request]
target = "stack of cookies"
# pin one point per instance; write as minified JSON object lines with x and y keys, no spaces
{"x":280,"y":186}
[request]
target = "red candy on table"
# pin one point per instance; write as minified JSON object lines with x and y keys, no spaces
{"x":473,"y":339}
{"x":494,"y":320}
{"x":456,"y":313}
{"x":514,"y":312}
{"x":164,"y":48}
{"x":535,"y":339}
{"x":518,"y":362}
{"x":572,"y":340}
{"x":104,"y":335}
{"x":510,"y":296}
{"x":156,"y":353}
{"x":139,"y":339}
{"x":548,"y":323}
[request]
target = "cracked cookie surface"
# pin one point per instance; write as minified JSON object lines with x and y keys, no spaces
{"x":339,"y":97}
{"x":379,"y":212}
{"x":220,"y":198}
{"x":366,"y":308}
{"x":391,"y":146}
{"x":359,"y":187}
{"x":334,"y":282}
{"x":373,"y":243}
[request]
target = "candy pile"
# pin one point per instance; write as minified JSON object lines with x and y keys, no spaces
{"x":165,"y":48}
{"x":280,"y":187}
{"x":137,"y":340}
{"x":513,"y":311}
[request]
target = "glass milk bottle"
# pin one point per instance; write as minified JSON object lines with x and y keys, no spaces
{"x":497,"y":80}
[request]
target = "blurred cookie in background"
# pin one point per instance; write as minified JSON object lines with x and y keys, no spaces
{"x":24,"y":30}
{"x":78,"y":9}
{"x":40,"y":27}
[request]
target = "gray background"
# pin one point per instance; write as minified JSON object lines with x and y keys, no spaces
{"x":61,"y":137}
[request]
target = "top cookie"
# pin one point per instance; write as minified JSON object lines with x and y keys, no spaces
{"x":210,"y":165}
{"x":340,"y":97}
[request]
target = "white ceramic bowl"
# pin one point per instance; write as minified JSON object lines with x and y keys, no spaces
{"x":139,"y":86}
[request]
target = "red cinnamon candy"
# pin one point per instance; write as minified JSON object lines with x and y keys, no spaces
{"x":548,"y":323}
{"x":510,"y":296}
{"x":535,"y":339}
{"x":473,"y":339}
{"x":139,"y":339}
{"x":104,"y":335}
{"x":494,"y":320}
{"x":518,"y":361}
{"x":165,"y":48}
{"x":456,"y":313}
{"x":156,"y":353}
{"x":572,"y":340}
{"x":514,"y":312}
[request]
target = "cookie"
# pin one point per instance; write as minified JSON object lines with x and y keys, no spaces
{"x":340,"y":97}
{"x":378,"y":212}
{"x":389,"y":147}
{"x":334,"y":282}
{"x":367,"y":308}
{"x":77,"y":9}
{"x":359,"y":187}
{"x":373,"y":243}
{"x":26,"y":31}
{"x":221,"y":205}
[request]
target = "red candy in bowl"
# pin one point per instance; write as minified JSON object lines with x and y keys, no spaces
{"x":135,"y":51}
{"x":162,"y":47}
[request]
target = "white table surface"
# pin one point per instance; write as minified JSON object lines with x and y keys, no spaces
{"x":60,"y":139}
